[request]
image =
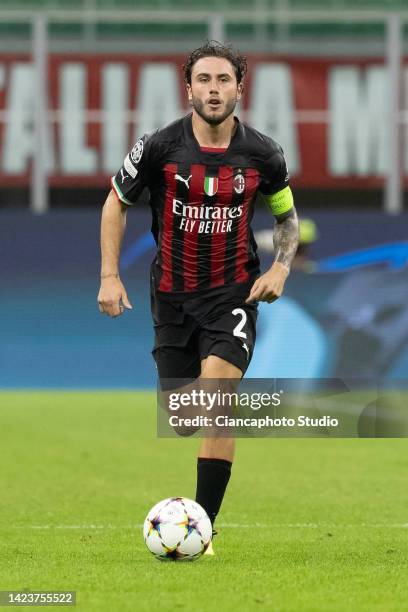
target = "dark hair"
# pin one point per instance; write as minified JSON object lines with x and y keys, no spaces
{"x":212,"y":48}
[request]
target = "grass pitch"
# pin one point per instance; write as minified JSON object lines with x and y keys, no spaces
{"x":313,"y":524}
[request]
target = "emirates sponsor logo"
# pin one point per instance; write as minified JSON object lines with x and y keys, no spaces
{"x":206,"y":219}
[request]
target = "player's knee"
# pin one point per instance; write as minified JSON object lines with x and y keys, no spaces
{"x":217,"y":447}
{"x":186,"y":431}
{"x":216,"y":367}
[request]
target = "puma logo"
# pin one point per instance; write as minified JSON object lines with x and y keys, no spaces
{"x":183,"y":180}
{"x":124,"y":177}
{"x":244,"y":346}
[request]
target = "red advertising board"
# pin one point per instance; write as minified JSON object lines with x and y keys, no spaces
{"x":330,"y":116}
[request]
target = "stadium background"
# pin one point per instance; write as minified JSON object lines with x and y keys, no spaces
{"x":79,"y":81}
{"x":307,"y":524}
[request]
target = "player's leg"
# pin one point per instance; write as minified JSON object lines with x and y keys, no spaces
{"x":175,"y":353}
{"x":226,"y":346}
{"x":178,"y":369}
{"x":216,"y":453}
{"x":214,"y":447}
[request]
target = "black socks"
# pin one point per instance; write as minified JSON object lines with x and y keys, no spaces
{"x":212,"y":480}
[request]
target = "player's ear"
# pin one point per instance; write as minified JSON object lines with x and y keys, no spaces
{"x":189,"y":93}
{"x":240,"y":89}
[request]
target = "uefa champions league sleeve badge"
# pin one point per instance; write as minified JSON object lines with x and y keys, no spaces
{"x":137,"y":151}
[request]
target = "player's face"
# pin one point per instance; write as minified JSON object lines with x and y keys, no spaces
{"x":214,"y":90}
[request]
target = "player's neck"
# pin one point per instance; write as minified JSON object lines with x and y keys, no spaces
{"x":217,"y":136}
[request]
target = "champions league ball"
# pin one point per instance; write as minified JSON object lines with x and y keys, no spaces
{"x":177,"y":529}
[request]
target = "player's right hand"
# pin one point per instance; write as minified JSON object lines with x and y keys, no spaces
{"x":112,"y":297}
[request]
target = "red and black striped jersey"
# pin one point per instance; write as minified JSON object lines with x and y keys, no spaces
{"x":202,"y":202}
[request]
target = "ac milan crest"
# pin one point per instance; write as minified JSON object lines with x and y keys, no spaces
{"x":239,"y":183}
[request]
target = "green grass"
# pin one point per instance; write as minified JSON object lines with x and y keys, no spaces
{"x":313,"y":524}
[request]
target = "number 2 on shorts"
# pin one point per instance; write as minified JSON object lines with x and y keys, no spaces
{"x":238,"y":328}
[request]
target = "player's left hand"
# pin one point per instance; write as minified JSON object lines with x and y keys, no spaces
{"x":269,"y":286}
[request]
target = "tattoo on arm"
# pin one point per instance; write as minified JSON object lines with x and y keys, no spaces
{"x":286,"y":238}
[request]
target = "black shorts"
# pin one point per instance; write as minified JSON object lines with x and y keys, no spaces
{"x":189,"y":328}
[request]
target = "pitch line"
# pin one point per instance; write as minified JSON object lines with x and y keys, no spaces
{"x":108,"y":526}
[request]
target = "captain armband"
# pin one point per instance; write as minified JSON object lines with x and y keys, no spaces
{"x":280,"y":202}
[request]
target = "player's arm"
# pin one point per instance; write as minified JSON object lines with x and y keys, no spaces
{"x":112,"y":297}
{"x":286,"y":232}
{"x":127,"y":186}
{"x":269,"y":286}
{"x":279,"y":199}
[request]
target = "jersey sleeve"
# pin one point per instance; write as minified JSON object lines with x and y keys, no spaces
{"x":133,"y":176}
{"x":274,"y":172}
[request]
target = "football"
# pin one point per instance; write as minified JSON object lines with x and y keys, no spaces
{"x":177,"y":529}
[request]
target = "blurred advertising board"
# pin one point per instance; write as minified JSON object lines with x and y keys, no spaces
{"x":330,"y":115}
{"x":344,"y":317}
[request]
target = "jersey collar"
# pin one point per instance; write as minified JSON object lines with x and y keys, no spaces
{"x":189,"y":133}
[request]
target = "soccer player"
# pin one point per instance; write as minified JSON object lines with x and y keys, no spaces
{"x":204,"y":173}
